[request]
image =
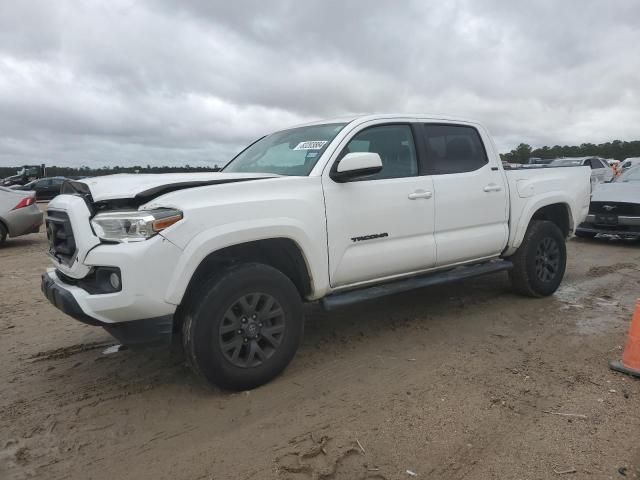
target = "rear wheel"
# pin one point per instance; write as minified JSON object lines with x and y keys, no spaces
{"x":3,"y":234}
{"x":540,"y":262}
{"x":245,"y":327}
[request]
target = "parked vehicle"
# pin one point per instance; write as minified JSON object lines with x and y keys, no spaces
{"x":44,"y":188}
{"x":600,"y":170}
{"x":337,"y":212}
{"x":539,"y":161}
{"x":629,"y":162}
{"x":615,"y":208}
{"x":26,"y":174}
{"x":19,"y":214}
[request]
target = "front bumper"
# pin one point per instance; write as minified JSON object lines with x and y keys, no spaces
{"x":142,"y":331}
{"x":626,"y":226}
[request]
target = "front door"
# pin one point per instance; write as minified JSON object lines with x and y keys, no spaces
{"x":381,"y":225}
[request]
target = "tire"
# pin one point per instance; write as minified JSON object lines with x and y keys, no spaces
{"x":540,"y":262}
{"x":585,"y":234}
{"x":3,"y":234}
{"x":244,"y":327}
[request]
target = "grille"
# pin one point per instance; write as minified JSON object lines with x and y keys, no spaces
{"x":62,"y":245}
{"x":619,"y":208}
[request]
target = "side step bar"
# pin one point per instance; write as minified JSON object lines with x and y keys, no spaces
{"x":342,"y":299}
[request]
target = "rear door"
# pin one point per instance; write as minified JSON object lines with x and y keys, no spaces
{"x":54,"y":189}
{"x":381,"y":225}
{"x":42,"y":188}
{"x":602,"y":169}
{"x":471,"y":198}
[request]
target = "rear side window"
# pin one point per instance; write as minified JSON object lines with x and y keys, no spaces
{"x":593,"y":163}
{"x":453,"y":149}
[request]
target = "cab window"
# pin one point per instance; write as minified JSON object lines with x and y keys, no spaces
{"x":394,"y":144}
{"x":453,"y":149}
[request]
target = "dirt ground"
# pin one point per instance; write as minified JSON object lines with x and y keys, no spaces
{"x":460,"y":381}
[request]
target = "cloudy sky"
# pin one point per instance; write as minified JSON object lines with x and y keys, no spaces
{"x":128,"y":82}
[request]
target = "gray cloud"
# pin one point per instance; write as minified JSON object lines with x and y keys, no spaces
{"x":171,"y":81}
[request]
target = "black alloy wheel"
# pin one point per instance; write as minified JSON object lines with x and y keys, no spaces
{"x":251,"y":330}
{"x":547,"y":259}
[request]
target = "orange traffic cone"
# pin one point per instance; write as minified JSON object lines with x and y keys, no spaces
{"x":630,"y":363}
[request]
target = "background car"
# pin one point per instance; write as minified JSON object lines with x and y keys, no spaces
{"x":26,"y":174}
{"x":629,"y":162}
{"x":44,"y":188}
{"x":615,"y":208}
{"x":600,"y":170}
{"x":539,"y":161}
{"x":19,"y":214}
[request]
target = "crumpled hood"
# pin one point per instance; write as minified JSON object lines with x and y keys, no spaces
{"x":148,"y":186}
{"x":628,"y":192}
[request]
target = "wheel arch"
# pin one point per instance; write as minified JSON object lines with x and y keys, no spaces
{"x":557,"y":213}
{"x":281,"y":253}
{"x":555,"y":210}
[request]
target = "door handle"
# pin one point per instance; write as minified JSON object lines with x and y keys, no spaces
{"x":492,"y":188}
{"x":420,"y":194}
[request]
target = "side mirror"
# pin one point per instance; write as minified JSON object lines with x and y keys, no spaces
{"x":355,"y":165}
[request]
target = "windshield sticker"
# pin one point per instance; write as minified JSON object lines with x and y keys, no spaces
{"x":311,"y":145}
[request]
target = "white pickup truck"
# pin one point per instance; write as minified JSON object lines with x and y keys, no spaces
{"x":336,"y":211}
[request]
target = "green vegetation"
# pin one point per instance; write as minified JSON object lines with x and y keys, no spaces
{"x":521,"y":154}
{"x":95,"y":172}
{"x":616,"y":149}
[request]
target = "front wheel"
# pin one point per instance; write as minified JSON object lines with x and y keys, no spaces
{"x":540,"y":262}
{"x":244,"y":328}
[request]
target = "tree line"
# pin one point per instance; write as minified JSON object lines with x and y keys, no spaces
{"x":53,"y":171}
{"x":616,"y":149}
{"x":521,"y":154}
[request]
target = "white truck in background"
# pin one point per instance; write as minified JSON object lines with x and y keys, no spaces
{"x":337,"y":211}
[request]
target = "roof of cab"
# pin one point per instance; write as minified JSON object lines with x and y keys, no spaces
{"x":361,"y":118}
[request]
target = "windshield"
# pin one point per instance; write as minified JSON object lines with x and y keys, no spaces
{"x":289,"y":152}
{"x":631,"y":175}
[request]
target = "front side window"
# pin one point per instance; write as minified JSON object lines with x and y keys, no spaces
{"x":453,"y":149}
{"x":394,"y":144}
{"x":289,"y":152}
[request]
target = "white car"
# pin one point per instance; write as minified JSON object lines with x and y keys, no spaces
{"x":337,"y":211}
{"x":600,"y":169}
{"x":615,"y":208}
{"x":629,"y":162}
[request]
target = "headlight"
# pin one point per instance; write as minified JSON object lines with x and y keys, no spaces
{"x":133,"y":226}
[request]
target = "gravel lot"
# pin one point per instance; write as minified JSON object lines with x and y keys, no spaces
{"x":459,"y":381}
